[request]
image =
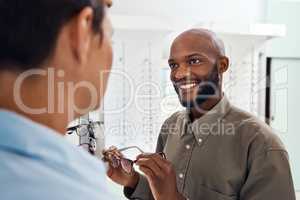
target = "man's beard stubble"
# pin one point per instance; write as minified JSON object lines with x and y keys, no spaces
{"x":207,"y":89}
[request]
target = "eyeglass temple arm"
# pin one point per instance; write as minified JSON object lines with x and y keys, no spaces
{"x":131,"y":147}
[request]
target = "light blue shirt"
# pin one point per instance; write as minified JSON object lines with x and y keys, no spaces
{"x":36,"y":163}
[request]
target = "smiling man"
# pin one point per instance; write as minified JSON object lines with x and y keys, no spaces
{"x":242,"y":160}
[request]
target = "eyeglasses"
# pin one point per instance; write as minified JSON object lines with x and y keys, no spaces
{"x":116,"y":159}
{"x":87,"y":133}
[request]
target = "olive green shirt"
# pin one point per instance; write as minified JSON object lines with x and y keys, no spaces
{"x":227,"y":154}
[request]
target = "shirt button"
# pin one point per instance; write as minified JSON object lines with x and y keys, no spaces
{"x":187,"y":147}
{"x":181,"y":175}
{"x":199,"y":140}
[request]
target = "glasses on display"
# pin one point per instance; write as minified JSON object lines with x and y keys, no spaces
{"x":88,"y":132}
{"x":117,"y":158}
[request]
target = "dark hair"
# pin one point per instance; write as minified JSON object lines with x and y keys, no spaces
{"x":29,"y":28}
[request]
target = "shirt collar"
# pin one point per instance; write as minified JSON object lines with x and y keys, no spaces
{"x":208,"y":123}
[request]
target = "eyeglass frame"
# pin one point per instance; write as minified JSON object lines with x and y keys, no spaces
{"x":132,"y":162}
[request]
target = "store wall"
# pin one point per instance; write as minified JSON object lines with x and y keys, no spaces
{"x":285,"y":99}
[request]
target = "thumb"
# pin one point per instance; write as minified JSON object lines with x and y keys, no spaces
{"x":110,"y":172}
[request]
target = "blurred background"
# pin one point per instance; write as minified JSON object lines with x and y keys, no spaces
{"x":263,"y":45}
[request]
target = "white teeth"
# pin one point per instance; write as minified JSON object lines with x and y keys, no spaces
{"x":187,"y":86}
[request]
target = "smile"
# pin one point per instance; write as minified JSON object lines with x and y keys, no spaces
{"x":187,"y":86}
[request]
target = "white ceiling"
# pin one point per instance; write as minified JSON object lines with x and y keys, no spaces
{"x":199,"y":10}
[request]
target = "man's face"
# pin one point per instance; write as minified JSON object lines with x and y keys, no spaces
{"x":85,"y":57}
{"x":100,"y":61}
{"x":194,"y":70}
{"x":92,"y":75}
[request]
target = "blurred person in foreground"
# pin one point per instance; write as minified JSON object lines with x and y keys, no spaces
{"x":52,"y":56}
{"x":214,"y":150}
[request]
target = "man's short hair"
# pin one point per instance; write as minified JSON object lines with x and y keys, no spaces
{"x":29,"y":29}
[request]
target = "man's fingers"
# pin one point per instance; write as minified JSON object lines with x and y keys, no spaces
{"x":151,"y":164}
{"x":148,"y":172}
{"x":162,"y":163}
{"x":111,"y":148}
{"x":110,"y":172}
{"x":144,"y":155}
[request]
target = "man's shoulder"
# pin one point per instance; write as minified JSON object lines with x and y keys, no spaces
{"x":179,"y":115}
{"x":253,"y":131}
{"x":37,"y":156}
{"x":173,"y":123}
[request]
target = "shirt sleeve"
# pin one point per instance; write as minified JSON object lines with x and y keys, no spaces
{"x":269,"y":177}
{"x":142,"y":190}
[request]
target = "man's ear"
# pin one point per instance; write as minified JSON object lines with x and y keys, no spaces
{"x":223,"y":64}
{"x":81,"y":34}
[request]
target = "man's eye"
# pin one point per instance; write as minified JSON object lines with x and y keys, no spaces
{"x":173,"y":65}
{"x":194,"y":61}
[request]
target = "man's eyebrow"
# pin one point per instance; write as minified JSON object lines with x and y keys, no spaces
{"x":171,"y":60}
{"x":196,"y":54}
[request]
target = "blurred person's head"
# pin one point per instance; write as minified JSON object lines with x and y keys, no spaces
{"x":55,"y":57}
{"x":197,"y":61}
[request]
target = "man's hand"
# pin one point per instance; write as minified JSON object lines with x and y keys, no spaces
{"x":117,"y":174}
{"x":160,"y":175}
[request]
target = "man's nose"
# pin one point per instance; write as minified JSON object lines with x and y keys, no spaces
{"x":182,"y":72}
